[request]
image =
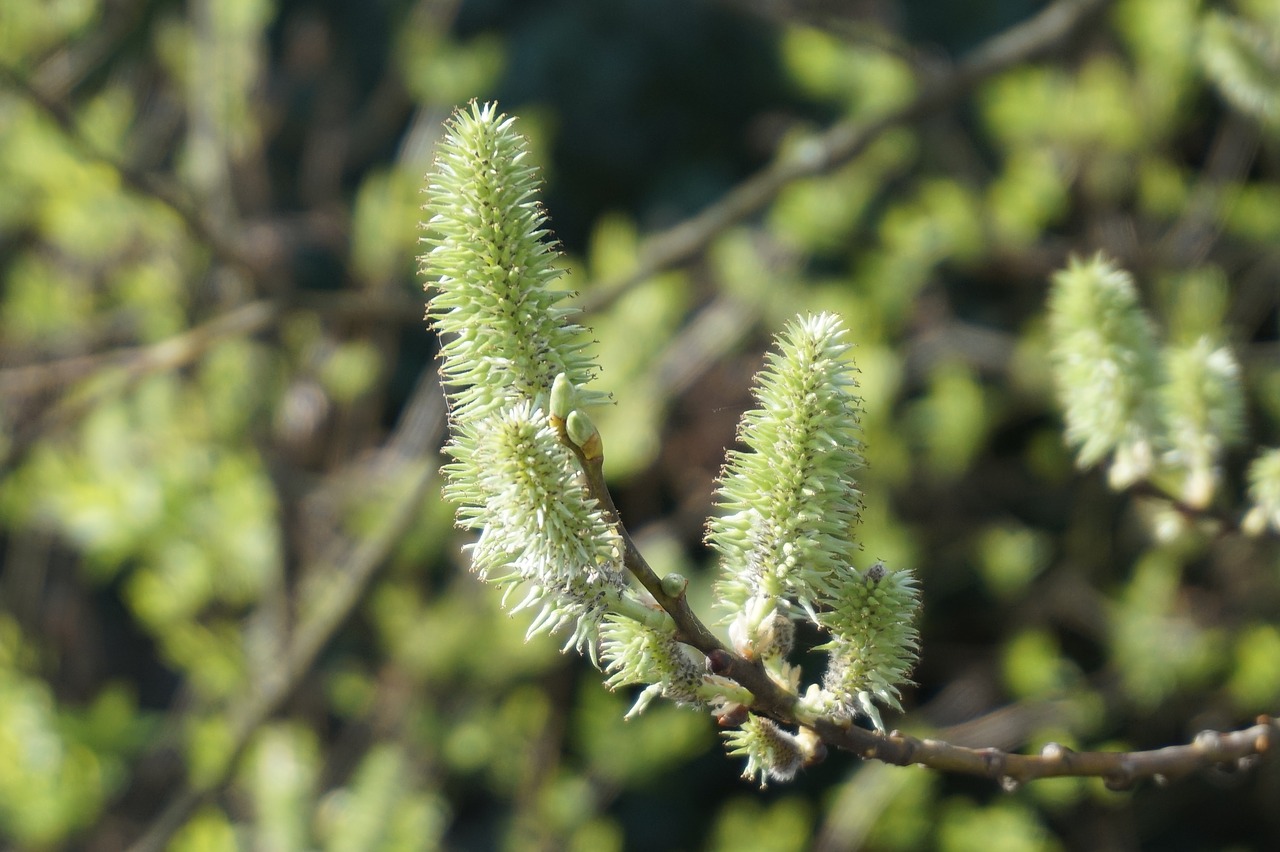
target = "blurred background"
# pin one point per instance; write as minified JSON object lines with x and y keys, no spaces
{"x":234,"y":613}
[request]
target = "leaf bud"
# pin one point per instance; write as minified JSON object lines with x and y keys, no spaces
{"x":562,"y":397}
{"x":674,"y":584}
{"x":718,"y":661}
{"x":584,"y":434}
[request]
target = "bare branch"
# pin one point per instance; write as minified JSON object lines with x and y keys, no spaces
{"x":138,"y":361}
{"x":1120,"y":770}
{"x":845,"y":141}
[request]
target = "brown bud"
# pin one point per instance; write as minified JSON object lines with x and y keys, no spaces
{"x":732,"y":716}
{"x":719,"y":661}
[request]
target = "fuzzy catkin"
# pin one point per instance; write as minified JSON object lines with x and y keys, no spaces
{"x":505,"y":339}
{"x":789,"y":504}
{"x":1107,"y":367}
{"x":505,"y":334}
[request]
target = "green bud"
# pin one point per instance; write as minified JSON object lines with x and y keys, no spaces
{"x":543,"y":539}
{"x":789,"y":504}
{"x":638,"y":654}
{"x":674,"y":584}
{"x":563,"y":397}
{"x":510,"y":353}
{"x":874,"y":642}
{"x":584,"y":434}
{"x":505,"y":335}
{"x":771,"y":751}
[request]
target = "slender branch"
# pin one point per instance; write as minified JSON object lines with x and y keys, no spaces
{"x":845,"y":141}
{"x":1224,"y":521}
{"x":18,"y":384}
{"x":770,"y":699}
{"x":184,"y":348}
{"x":1120,"y":770}
{"x":840,"y":144}
{"x":138,"y":361}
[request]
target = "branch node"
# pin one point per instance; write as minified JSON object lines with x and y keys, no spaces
{"x":910,"y":745}
{"x":1055,"y":752}
{"x":820,"y":753}
{"x":1208,"y":742}
{"x":1262,"y":743}
{"x":994,"y":761}
{"x":1121,"y":778}
{"x":733,"y":717}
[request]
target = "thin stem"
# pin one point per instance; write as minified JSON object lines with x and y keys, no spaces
{"x":1120,"y":770}
{"x":137,"y":361}
{"x":769,"y":698}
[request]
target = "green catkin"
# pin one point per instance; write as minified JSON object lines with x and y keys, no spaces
{"x":505,"y":334}
{"x":505,"y":340}
{"x":517,"y":373}
{"x":789,"y":505}
{"x":1106,"y":366}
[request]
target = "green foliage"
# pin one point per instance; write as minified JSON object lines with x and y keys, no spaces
{"x":150,"y":488}
{"x":58,"y":766}
{"x":631,"y":339}
{"x":1256,"y":681}
{"x":748,"y":824}
{"x":1159,"y":648}
{"x":1004,"y":827}
{"x":1034,"y":667}
{"x":209,"y":431}
{"x":1010,"y":556}
{"x":639,"y":749}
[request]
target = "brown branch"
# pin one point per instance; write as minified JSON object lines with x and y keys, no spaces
{"x":138,"y":361}
{"x":1223,"y":520}
{"x":19,"y":385}
{"x":770,"y":699}
{"x":1120,"y":770}
{"x":845,"y":141}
